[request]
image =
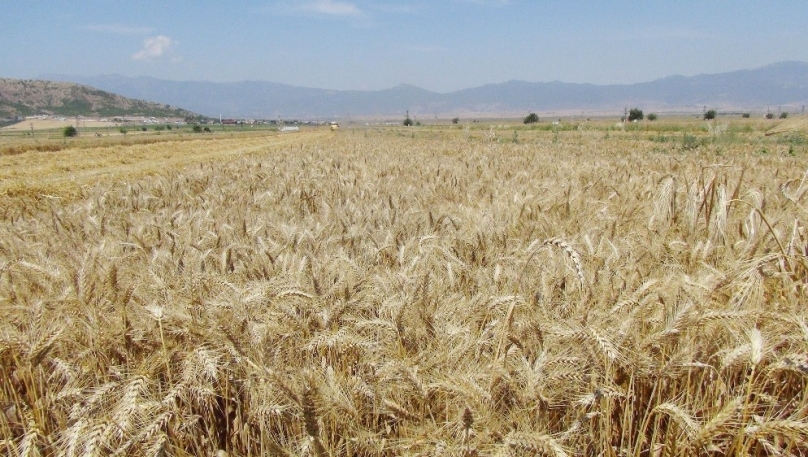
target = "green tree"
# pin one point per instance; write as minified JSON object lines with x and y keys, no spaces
{"x":531,"y":118}
{"x":70,"y":131}
{"x":635,"y":114}
{"x":196,"y":128}
{"x":652,"y":117}
{"x":407,"y":121}
{"x":455,"y":120}
{"x":710,"y":115}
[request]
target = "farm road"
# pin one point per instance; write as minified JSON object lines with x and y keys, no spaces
{"x":64,"y":173}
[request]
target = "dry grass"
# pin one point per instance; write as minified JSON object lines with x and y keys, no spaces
{"x":383,"y":293}
{"x":791,"y":125}
{"x":67,"y":171}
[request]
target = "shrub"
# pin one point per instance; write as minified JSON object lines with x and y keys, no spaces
{"x":635,"y":114}
{"x":745,"y":115}
{"x":207,"y":129}
{"x":408,"y":122}
{"x":70,"y":131}
{"x":783,"y":115}
{"x":709,"y":115}
{"x":652,"y":117}
{"x":689,"y":142}
{"x":122,"y":130}
{"x":196,"y":128}
{"x":455,"y":120}
{"x":769,"y":115}
{"x":531,"y":118}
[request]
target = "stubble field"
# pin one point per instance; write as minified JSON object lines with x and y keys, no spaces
{"x":424,"y":291}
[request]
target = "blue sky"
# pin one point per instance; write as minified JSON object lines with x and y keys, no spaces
{"x":440,"y":45}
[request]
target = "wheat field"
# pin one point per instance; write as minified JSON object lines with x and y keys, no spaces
{"x":382,"y":292}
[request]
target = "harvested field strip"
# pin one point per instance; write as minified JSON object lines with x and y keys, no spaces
{"x":66,"y":172}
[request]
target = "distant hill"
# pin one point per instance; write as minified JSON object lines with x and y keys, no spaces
{"x":780,"y":84}
{"x":24,"y":97}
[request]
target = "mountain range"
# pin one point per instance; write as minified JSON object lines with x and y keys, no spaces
{"x":775,"y":85}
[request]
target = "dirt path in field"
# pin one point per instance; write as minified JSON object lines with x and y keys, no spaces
{"x":64,"y":173}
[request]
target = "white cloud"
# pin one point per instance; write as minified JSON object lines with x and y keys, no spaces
{"x":317,"y":8}
{"x":118,"y":29}
{"x":485,"y":2}
{"x":396,"y":8}
{"x":331,"y":8}
{"x":154,"y":48}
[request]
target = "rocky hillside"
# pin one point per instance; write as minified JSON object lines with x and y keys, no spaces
{"x":25,"y":97}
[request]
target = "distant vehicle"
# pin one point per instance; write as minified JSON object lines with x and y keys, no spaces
{"x":290,"y":129}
